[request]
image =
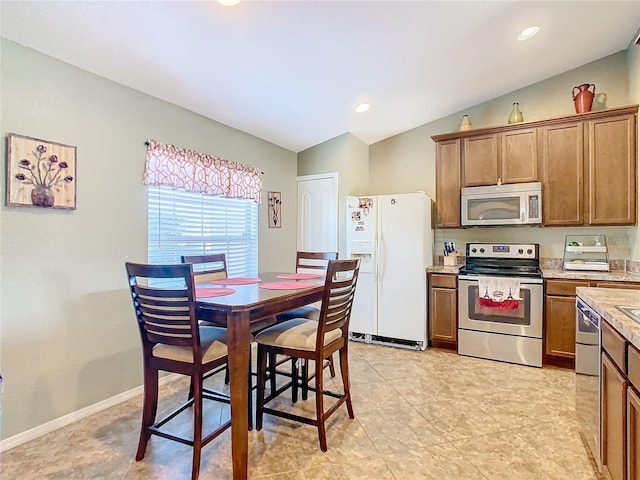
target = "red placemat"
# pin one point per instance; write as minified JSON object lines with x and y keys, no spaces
{"x":285,"y":285}
{"x":299,"y":276}
{"x":205,"y":292}
{"x":236,"y":281}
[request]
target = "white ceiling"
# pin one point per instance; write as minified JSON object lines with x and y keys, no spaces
{"x":291,"y":72}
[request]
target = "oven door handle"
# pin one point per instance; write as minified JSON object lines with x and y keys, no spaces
{"x":523,"y":281}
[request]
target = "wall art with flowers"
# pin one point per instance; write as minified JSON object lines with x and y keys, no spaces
{"x":274,"y":205}
{"x":40,"y":173}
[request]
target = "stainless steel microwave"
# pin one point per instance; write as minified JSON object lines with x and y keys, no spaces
{"x":513,"y":204}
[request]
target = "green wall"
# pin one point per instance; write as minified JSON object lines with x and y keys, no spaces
{"x":68,"y":337}
{"x":349,"y":157}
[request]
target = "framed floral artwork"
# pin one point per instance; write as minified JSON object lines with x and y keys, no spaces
{"x":40,"y":173}
{"x":274,"y":205}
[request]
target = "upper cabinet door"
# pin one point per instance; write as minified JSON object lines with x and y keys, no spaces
{"x":481,"y":159}
{"x":562,"y":174}
{"x":519,"y":156}
{"x":611,"y":171}
{"x":448,"y":183}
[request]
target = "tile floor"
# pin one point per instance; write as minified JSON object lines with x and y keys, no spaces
{"x":419,"y":415}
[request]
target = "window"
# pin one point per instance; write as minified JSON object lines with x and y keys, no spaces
{"x":187,"y":223}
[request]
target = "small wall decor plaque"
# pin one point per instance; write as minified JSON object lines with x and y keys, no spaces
{"x":40,"y":173}
{"x":274,"y":205}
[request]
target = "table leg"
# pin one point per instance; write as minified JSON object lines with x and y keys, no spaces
{"x":238,"y":343}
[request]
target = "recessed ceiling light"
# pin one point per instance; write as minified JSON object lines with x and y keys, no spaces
{"x":228,"y":3}
{"x":363,"y":107}
{"x":527,"y":33}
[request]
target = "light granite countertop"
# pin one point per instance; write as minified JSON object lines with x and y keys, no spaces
{"x":613,"y":275}
{"x":605,"y":300}
{"x":558,"y":274}
{"x":444,"y":269}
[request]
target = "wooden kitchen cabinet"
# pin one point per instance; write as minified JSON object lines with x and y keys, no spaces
{"x":613,"y":384}
{"x":586,"y":163}
{"x":448,"y":183}
{"x":633,"y":414}
{"x":613,"y":411}
{"x":443,"y":310}
{"x":507,"y":157}
{"x":562,"y":174}
{"x":633,"y":434}
{"x":611,"y":170}
{"x":481,"y":160}
{"x":560,"y":318}
{"x":519,"y":155}
{"x":560,"y":321}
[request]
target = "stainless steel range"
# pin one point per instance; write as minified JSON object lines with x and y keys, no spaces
{"x":500,"y":299}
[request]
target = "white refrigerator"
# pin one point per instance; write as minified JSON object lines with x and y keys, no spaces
{"x":393,"y":237}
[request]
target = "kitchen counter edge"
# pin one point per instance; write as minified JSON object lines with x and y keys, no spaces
{"x":451,"y":270}
{"x":605,"y":300}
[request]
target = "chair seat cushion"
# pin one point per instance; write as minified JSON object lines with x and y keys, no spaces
{"x":308,"y":312}
{"x":213,"y":341}
{"x":298,"y":333}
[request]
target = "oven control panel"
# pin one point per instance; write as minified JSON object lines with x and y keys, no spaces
{"x":503,"y":250}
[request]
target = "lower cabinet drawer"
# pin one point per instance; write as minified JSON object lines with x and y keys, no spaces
{"x":615,"y":345}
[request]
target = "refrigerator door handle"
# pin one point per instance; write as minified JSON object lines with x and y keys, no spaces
{"x":381,"y":257}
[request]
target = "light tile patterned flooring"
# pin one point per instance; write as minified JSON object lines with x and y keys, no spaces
{"x":419,"y":415}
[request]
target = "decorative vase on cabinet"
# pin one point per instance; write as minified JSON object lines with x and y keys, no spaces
{"x":465,"y":124}
{"x":516,"y":114}
{"x":583,"y":100}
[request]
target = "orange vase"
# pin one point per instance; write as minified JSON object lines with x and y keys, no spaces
{"x":583,"y":99}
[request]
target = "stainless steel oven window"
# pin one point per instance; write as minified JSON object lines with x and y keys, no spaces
{"x":527,"y":322}
{"x":515,"y":316}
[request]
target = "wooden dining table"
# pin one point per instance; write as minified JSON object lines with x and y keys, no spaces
{"x":249,"y":304}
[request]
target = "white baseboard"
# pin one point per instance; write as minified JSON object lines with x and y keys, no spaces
{"x":40,"y":430}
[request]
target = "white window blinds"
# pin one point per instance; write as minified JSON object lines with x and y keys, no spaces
{"x":185,"y":223}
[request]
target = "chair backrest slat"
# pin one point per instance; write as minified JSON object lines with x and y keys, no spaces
{"x":337,"y":301}
{"x":312,"y":262}
{"x":207,"y":268}
{"x":164,"y":301}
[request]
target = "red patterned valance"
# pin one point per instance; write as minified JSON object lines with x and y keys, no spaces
{"x":187,"y":170}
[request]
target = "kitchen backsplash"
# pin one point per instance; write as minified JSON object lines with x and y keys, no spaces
{"x":556,"y":264}
{"x":550,"y":239}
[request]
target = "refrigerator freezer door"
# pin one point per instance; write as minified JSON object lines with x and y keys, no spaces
{"x":361,"y":243}
{"x":403,"y":224}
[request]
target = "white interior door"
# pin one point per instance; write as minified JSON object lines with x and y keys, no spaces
{"x":318,"y":213}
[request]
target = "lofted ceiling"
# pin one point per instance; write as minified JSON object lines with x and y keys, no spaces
{"x":291,"y":72}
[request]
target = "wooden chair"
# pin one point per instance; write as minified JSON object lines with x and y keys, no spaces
{"x":173,"y":341}
{"x":309,"y":262}
{"x":209,"y":268}
{"x":306,"y":262}
{"x":313,"y":340}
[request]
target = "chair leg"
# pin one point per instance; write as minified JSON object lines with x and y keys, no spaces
{"x":197,"y":426}
{"x":304,"y":382}
{"x":262,"y":372}
{"x":295,"y":380}
{"x":332,"y":367}
{"x":226,"y":375}
{"x":344,"y":370}
{"x":322,"y":434}
{"x":250,"y":399}
{"x":149,"y":408}
{"x":272,"y":372}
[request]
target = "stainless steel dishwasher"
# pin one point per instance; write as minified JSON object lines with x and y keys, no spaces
{"x":588,"y":377}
